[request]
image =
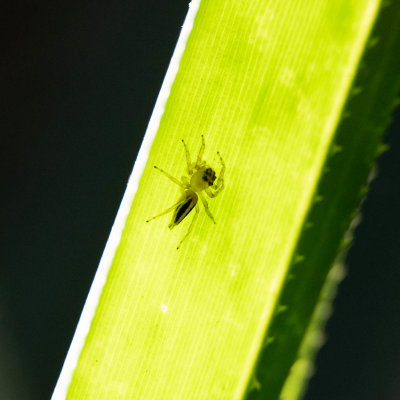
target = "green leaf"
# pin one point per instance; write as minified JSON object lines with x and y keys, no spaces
{"x":342,"y":186}
{"x":281,"y":90}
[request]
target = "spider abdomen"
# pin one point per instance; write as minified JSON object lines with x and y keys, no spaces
{"x":182,"y":211}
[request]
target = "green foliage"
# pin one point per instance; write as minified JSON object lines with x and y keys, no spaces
{"x":342,"y":185}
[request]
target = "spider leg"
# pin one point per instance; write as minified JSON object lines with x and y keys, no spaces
{"x":181,"y":201}
{"x":220,"y":180}
{"x":185,"y":180}
{"x":201,"y":151}
{"x":188,"y":159}
{"x":219,"y":186}
{"x":197,"y":209}
{"x":212,"y":194}
{"x":170,"y":177}
{"x":205,"y":204}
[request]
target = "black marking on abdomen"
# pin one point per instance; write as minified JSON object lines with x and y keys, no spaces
{"x":183,"y":211}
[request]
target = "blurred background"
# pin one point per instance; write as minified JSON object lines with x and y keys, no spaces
{"x":78,"y":84}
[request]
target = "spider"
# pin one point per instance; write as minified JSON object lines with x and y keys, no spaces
{"x":200,"y":178}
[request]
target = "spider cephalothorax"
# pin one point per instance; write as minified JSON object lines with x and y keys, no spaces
{"x":201,"y":178}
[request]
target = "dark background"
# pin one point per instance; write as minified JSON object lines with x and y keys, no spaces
{"x":78,"y":85}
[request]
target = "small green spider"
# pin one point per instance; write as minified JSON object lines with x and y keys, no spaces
{"x":201,"y":178}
